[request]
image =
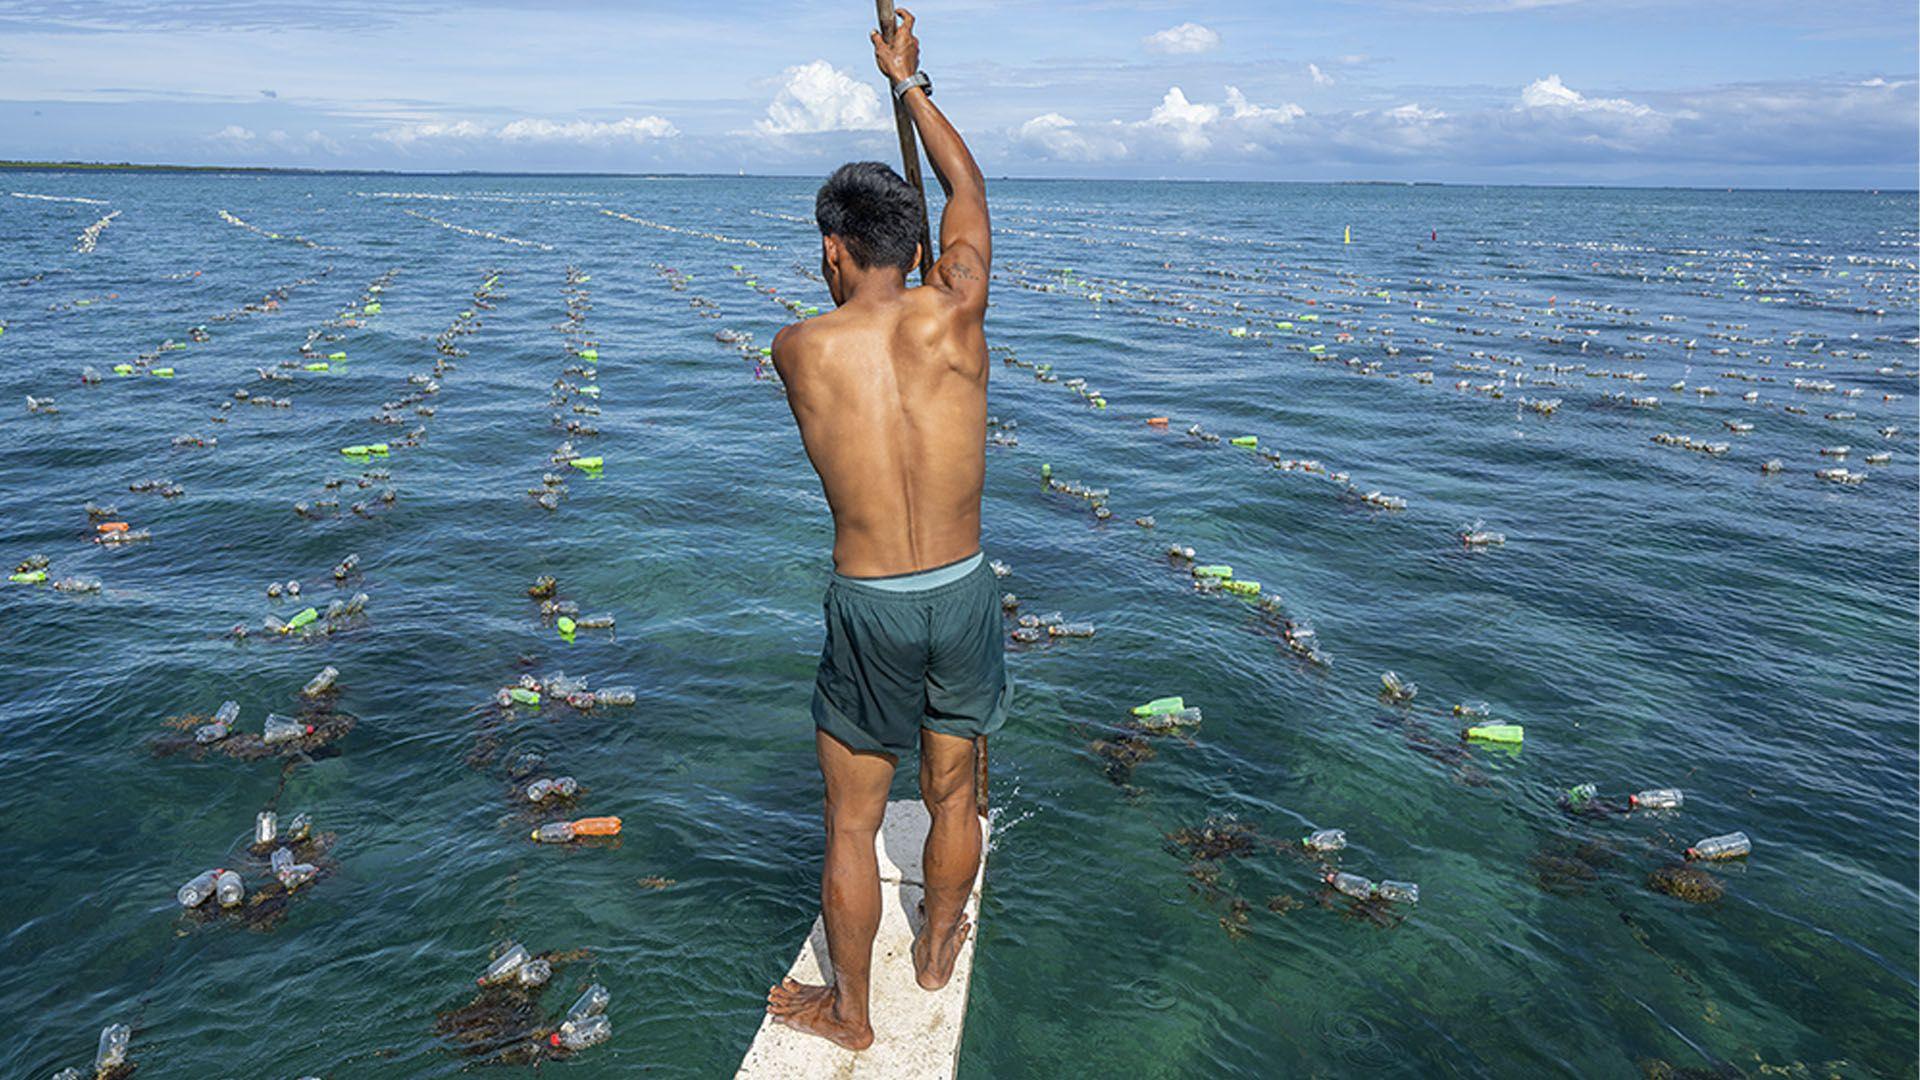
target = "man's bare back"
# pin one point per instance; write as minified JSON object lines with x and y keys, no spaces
{"x":890,"y":393}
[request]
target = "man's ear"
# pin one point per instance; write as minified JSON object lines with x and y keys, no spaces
{"x":831,"y":251}
{"x":919,"y":252}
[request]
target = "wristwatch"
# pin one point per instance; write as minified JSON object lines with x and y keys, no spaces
{"x":919,"y":79}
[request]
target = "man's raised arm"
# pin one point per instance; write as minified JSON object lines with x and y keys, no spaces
{"x":966,"y":242}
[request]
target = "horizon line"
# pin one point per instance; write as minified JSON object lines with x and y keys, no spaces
{"x":289,"y":170}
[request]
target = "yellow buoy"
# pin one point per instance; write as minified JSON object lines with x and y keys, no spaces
{"x":1349,"y":236}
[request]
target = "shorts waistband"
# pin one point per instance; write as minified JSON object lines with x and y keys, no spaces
{"x":918,"y":585}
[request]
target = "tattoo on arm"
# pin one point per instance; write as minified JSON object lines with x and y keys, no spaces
{"x":963,"y":271}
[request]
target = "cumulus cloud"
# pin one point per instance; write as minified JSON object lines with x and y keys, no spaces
{"x":1320,"y":78}
{"x":579,"y":132}
{"x":819,"y":97}
{"x":1178,"y":126}
{"x":232,"y":133}
{"x":1186,"y":38}
{"x":1551,"y":93}
{"x":1056,"y":138}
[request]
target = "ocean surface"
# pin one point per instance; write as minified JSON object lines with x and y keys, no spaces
{"x":1658,"y":615}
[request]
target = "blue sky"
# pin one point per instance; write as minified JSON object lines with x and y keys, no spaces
{"x":1711,"y":92}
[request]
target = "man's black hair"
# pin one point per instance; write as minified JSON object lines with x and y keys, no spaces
{"x":873,"y":212}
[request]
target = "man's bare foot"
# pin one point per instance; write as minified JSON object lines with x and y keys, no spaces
{"x":935,"y":952}
{"x":811,"y":1009}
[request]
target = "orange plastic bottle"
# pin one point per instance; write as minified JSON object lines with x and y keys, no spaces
{"x":597,"y":826}
{"x":111,"y":527}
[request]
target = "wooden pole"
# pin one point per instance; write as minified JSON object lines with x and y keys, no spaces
{"x":909,"y":146}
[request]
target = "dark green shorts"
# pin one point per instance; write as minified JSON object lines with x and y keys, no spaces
{"x":896,"y":662}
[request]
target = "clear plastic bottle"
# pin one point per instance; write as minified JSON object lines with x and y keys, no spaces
{"x":1472,"y":708}
{"x":229,"y":889}
{"x":595,"y":622}
{"x":1731,"y":845}
{"x":580,"y":1034}
{"x":1173,"y":718}
{"x":1351,"y":885}
{"x":300,"y":828}
{"x":1400,"y":892}
{"x":554,"y":832}
{"x":1325,"y":840}
{"x":298,"y":874}
{"x":565,"y":786}
{"x":195,"y":892}
{"x":1027,"y":635}
{"x":212,"y":733}
{"x":113,"y":1047}
{"x":1072,"y":629}
{"x":591,"y":1002}
{"x":534,"y":973}
{"x":69,"y":1073}
{"x":1581,"y":796}
{"x":266,"y":826}
{"x":346,"y":566}
{"x":1396,"y":689}
{"x":228,"y":713}
{"x":504,"y":966}
{"x":1657,"y":799}
{"x":539,"y":790}
{"x":615,"y":695}
{"x":322,"y":682}
{"x":279,"y":729}
{"x":281,"y":861}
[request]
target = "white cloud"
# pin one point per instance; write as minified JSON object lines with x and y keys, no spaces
{"x":627,"y":128}
{"x":1186,"y":38}
{"x":1320,"y":78}
{"x":1412,"y":113}
{"x":232,"y":133}
{"x":1551,"y":93}
{"x":301,"y":144}
{"x":581,"y":132}
{"x":819,"y":97}
{"x":1057,"y":138}
{"x":1241,"y":109}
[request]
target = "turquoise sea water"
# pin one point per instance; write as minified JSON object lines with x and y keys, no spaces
{"x":1657,"y":616}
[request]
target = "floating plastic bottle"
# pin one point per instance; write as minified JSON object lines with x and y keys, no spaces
{"x":281,"y":861}
{"x":565,"y":787}
{"x":322,"y":682}
{"x":591,"y":1002}
{"x":1580,"y":796}
{"x":302,"y":619}
{"x":195,"y":892}
{"x":1351,"y":885}
{"x":1072,"y":629}
{"x":229,"y":889}
{"x":345,"y":567}
{"x":504,"y":967}
{"x":1400,"y":892}
{"x":298,"y":874}
{"x":1325,"y":840}
{"x":580,"y":1034}
{"x":1396,"y":689}
{"x":1731,"y":845}
{"x":279,"y":729}
{"x":539,"y":790}
{"x":300,"y":828}
{"x":266,"y":826}
{"x":1505,"y":733}
{"x":113,"y":1047}
{"x":534,"y":973}
{"x":615,"y":695}
{"x":1657,"y":799}
{"x":1176,"y":718}
{"x":69,"y":1073}
{"x":554,"y":832}
{"x":1160,"y":705}
{"x":1472,"y":709}
{"x":207,"y":734}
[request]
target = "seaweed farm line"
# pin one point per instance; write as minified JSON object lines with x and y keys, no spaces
{"x":1481,"y":647}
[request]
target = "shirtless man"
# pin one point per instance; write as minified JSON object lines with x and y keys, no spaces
{"x":890,"y":393}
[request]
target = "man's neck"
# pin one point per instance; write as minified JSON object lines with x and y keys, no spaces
{"x":875,"y":288}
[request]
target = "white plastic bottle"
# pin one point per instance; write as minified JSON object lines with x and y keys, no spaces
{"x":195,"y":892}
{"x":1657,"y":799}
{"x":1400,"y":892}
{"x":1325,"y":840}
{"x":228,"y":887}
{"x":591,"y":1002}
{"x":113,"y":1047}
{"x":580,"y":1034}
{"x":1351,"y":885}
{"x":266,"y":827}
{"x":504,"y":966}
{"x":1727,"y":846}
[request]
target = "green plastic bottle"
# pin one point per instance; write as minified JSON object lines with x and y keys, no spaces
{"x":302,"y":619}
{"x":1217,"y":570}
{"x":1504,"y":733}
{"x":1159,"y":706}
